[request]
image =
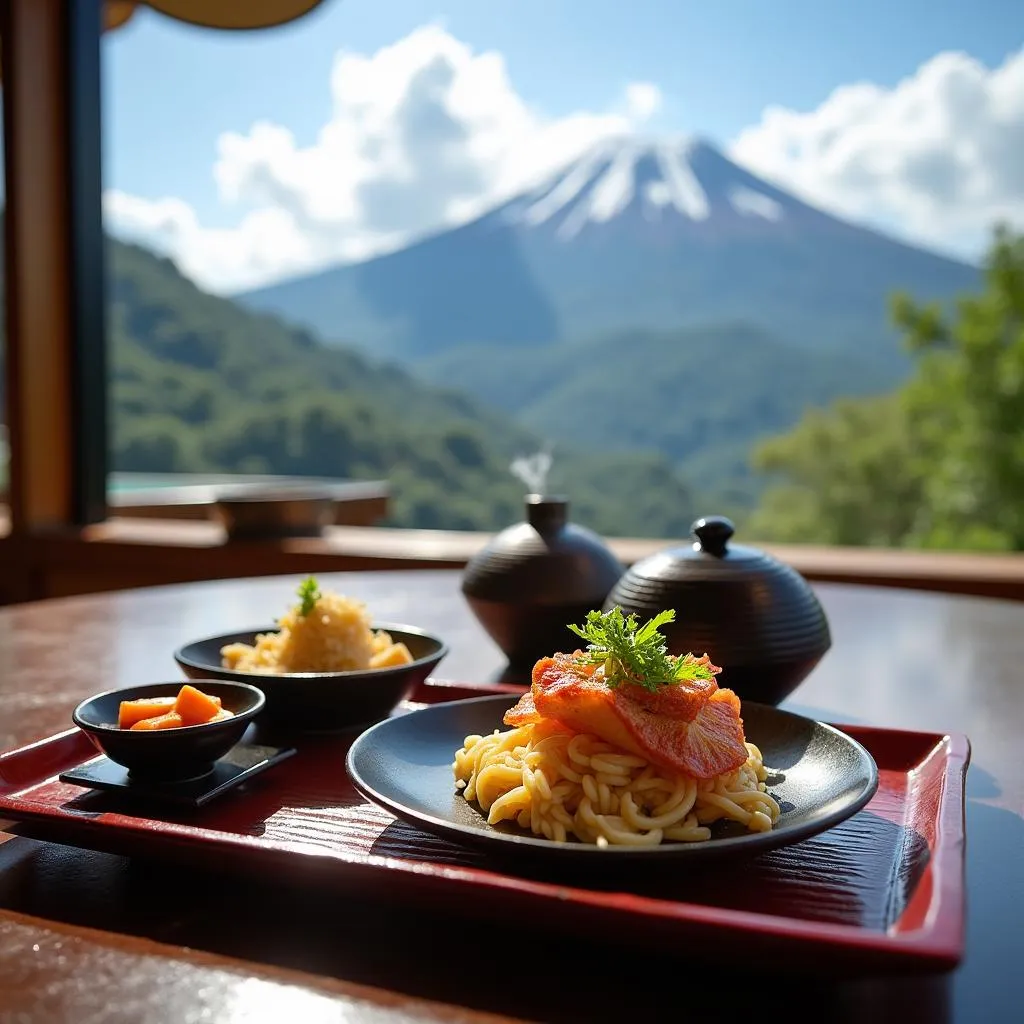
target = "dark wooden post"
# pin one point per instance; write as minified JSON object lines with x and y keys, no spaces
{"x":54,"y":283}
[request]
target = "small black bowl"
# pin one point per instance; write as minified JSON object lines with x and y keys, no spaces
{"x":322,"y":701}
{"x":168,"y":755}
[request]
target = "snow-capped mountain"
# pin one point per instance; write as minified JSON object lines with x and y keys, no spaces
{"x":633,"y":234}
{"x":654,"y":181}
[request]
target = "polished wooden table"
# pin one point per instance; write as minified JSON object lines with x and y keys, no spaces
{"x":84,"y":937}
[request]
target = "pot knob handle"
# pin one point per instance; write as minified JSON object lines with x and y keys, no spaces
{"x":713,"y":533}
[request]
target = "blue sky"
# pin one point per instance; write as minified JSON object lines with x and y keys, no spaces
{"x":171,"y":91}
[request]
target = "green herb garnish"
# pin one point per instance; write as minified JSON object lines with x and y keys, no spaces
{"x":309,"y":594}
{"x":631,"y":653}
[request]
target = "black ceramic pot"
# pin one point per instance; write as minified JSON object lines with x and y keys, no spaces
{"x":753,"y":615}
{"x":534,"y":578}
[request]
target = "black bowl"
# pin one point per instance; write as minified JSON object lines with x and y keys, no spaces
{"x":168,"y":754}
{"x":322,"y":701}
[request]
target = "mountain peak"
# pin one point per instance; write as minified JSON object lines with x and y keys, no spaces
{"x":633,"y":234}
{"x":653,"y":178}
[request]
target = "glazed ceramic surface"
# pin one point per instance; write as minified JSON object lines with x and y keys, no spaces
{"x":753,"y":615}
{"x":535,"y":577}
{"x":322,"y":700}
{"x":819,"y":776}
{"x":183,"y":753}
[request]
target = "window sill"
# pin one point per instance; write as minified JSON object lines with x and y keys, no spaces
{"x":129,"y":552}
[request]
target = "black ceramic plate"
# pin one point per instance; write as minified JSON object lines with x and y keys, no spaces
{"x":819,"y":775}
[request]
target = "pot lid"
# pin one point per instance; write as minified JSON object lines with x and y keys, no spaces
{"x":712,"y":556}
{"x":738,"y":603}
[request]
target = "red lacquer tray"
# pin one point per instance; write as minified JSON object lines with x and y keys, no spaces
{"x":882,"y":891}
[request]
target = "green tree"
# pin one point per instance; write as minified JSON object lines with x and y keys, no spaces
{"x":938,"y":463}
{"x":848,"y":475}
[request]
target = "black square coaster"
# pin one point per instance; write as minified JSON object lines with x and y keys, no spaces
{"x":238,"y":765}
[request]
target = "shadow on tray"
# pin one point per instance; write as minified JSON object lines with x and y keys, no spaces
{"x":859,"y":873}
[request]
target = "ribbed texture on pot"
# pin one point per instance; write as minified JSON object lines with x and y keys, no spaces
{"x":535,"y":577}
{"x":754,"y":616}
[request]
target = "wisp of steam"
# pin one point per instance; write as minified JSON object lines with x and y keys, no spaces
{"x":533,"y":470}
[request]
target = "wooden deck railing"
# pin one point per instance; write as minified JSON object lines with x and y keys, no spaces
{"x":129,"y":552}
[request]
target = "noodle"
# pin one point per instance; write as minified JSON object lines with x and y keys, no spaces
{"x":559,"y":784}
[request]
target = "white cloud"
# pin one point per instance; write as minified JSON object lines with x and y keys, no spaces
{"x":643,"y":100}
{"x":939,"y":157}
{"x":265,"y":242}
{"x":424,"y":133}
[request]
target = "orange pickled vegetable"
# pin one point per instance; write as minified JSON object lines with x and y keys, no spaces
{"x":190,"y":707}
{"x":132,"y":711}
{"x":196,"y":707}
{"x":172,"y":720}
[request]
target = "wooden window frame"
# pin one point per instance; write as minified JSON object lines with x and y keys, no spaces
{"x":56,"y":346}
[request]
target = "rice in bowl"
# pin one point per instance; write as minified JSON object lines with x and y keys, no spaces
{"x":325,"y":632}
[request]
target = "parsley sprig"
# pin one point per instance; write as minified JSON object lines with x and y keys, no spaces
{"x":309,"y":594}
{"x":631,"y":653}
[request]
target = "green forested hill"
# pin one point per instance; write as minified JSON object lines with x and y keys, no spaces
{"x":701,"y":396}
{"x":200,"y":384}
